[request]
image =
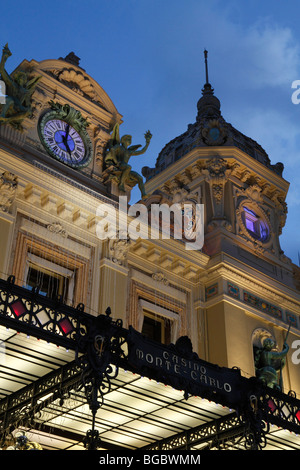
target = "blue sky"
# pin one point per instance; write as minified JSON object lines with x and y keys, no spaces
{"x":148,"y":57}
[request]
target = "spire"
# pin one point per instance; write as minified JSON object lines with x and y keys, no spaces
{"x":207,"y":86}
{"x":206,"y":66}
{"x":208,"y":104}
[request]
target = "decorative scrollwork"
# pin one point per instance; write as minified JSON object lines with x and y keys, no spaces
{"x":253,"y":418}
{"x":102,"y":343}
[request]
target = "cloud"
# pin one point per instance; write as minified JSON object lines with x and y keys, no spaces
{"x":274,"y":130}
{"x":272,"y":55}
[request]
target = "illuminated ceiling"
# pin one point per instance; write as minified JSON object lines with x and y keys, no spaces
{"x":137,"y":412}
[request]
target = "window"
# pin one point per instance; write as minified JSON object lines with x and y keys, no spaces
{"x":56,"y":270}
{"x":52,"y":279}
{"x":50,"y":283}
{"x":157,"y":316}
{"x":157,"y":328}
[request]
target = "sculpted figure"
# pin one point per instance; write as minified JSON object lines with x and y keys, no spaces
{"x":118,"y":153}
{"x":19,"y":90}
{"x":269,"y":363}
{"x":23,"y":443}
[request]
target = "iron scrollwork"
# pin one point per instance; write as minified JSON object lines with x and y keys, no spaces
{"x":102,"y":348}
{"x":253,"y":415}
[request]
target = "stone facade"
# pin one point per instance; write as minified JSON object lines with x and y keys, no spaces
{"x":239,"y":283}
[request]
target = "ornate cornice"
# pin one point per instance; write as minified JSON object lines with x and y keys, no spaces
{"x":244,"y":169}
{"x":273,"y":294}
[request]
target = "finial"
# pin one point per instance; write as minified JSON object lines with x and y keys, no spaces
{"x":208,"y":103}
{"x":206,"y":67}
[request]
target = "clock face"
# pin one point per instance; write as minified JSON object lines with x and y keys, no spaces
{"x":64,"y":141}
{"x":255,"y":224}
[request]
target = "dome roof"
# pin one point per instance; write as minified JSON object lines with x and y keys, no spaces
{"x":210,"y":129}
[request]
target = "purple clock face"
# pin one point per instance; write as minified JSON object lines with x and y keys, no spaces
{"x":64,"y":141}
{"x":255,"y":224}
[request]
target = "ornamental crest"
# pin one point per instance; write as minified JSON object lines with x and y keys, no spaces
{"x":213,"y":133}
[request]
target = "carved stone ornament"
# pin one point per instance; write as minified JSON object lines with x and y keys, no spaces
{"x":77,"y":81}
{"x":118,"y":249}
{"x":57,"y":228}
{"x":281,"y":216}
{"x":101,"y":138}
{"x":181,"y":195}
{"x":217,"y":192}
{"x":65,"y":111}
{"x":215,"y":224}
{"x":216,"y":168}
{"x":39,"y":102}
{"x":8,"y":188}
{"x":160,"y":277}
{"x":253,"y":192}
{"x":213,"y":133}
{"x":216,"y":174}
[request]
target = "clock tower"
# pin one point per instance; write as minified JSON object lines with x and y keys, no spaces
{"x":248,"y":290}
{"x":69,"y":118}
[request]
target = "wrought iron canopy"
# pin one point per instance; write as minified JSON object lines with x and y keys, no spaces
{"x":103,"y":350}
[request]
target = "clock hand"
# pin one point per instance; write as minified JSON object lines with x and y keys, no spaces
{"x":68,"y":148}
{"x":65,"y":139}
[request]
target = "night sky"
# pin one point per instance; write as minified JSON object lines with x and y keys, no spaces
{"x":148,"y":57}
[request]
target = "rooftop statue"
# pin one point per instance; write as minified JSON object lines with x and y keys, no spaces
{"x":19,"y":90}
{"x":269,"y":363}
{"x":118,"y":152}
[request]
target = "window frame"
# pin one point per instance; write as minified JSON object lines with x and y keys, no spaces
{"x":142,"y":298}
{"x":27,"y":245}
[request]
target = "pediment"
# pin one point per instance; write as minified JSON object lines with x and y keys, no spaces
{"x":75,"y":78}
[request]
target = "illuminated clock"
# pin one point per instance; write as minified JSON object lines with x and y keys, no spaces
{"x":255,"y":224}
{"x":63,"y":134}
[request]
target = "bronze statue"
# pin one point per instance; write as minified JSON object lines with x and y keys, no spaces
{"x":23,"y":443}
{"x":19,"y":90}
{"x":118,"y":153}
{"x":269,"y":363}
